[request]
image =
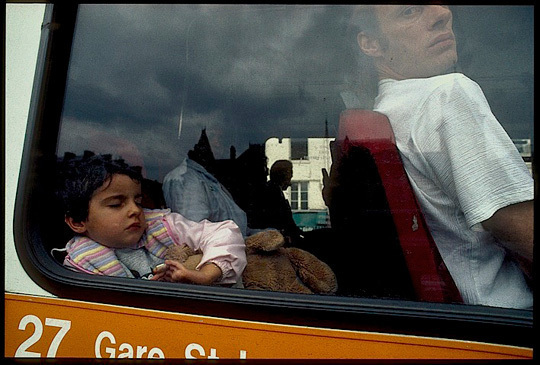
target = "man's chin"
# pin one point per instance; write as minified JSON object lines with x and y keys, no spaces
{"x":444,"y":69}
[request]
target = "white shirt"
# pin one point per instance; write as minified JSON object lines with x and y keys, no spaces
{"x":463,"y":167}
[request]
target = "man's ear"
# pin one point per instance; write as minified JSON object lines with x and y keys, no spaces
{"x":369,"y":44}
{"x":77,"y":227}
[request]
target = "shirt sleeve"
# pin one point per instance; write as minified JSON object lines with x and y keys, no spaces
{"x":472,"y":158}
{"x":220,"y":242}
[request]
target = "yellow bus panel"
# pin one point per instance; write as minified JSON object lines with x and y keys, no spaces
{"x":50,"y":327}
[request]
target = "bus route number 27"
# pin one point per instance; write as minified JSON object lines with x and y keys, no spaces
{"x":63,"y":325}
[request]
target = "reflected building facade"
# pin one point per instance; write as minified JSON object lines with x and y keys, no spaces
{"x":308,"y":156}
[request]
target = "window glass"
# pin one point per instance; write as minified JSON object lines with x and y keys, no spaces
{"x":299,"y":149}
{"x":237,"y":88}
{"x":299,"y":195}
{"x":146,"y":80}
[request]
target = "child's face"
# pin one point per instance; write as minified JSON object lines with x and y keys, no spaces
{"x":115,"y":217}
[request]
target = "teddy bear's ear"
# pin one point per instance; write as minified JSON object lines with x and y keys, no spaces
{"x":269,"y":240}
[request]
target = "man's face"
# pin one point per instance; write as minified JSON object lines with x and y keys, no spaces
{"x":417,"y":41}
{"x":115,"y":217}
{"x":287,"y":179}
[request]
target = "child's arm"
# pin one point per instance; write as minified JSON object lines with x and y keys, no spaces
{"x":221,"y":243}
{"x":178,"y":273}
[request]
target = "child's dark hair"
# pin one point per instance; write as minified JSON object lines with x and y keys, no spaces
{"x":80,"y":176}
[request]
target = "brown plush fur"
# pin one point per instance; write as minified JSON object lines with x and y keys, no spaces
{"x":185,"y":255}
{"x":273,"y":267}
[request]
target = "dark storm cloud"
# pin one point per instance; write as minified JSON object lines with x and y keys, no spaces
{"x":244,"y":73}
{"x":149,"y":53}
{"x":248,"y":73}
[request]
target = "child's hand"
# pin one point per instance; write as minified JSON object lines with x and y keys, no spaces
{"x":159,"y":272}
{"x":177,"y":272}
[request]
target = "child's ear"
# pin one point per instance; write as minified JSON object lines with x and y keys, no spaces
{"x":77,"y":227}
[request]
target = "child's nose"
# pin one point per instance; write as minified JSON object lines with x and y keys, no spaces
{"x":134,"y":208}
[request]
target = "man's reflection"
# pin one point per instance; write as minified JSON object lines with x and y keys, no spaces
{"x":472,"y":184}
{"x":274,"y":210}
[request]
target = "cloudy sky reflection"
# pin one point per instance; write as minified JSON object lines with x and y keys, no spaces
{"x":248,"y":73}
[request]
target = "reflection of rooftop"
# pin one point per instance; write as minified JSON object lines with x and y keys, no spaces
{"x":516,"y":82}
{"x":523,"y":145}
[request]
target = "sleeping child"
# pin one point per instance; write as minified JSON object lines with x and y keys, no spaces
{"x":115,"y":236}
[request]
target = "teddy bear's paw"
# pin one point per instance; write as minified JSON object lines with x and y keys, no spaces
{"x":184,"y":255}
{"x":192,"y":262}
{"x":179,"y":253}
{"x":314,"y":273}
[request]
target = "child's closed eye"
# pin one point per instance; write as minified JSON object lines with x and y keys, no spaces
{"x":116,"y":203}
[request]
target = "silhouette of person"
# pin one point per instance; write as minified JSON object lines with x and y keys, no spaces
{"x":274,"y":209}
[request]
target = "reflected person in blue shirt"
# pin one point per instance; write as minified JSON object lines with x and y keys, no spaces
{"x":192,"y":191}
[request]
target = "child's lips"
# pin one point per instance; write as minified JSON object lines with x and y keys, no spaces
{"x":134,"y":227}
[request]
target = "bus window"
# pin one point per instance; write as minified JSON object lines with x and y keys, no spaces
{"x":230,"y":90}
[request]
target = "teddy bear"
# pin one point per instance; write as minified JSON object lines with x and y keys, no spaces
{"x":270,"y":266}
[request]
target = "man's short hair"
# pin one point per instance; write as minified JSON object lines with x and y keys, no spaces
{"x":364,"y":19}
{"x":279,"y":170}
{"x":80,"y":176}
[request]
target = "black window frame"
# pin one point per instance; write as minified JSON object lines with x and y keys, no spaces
{"x":465,"y":322}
